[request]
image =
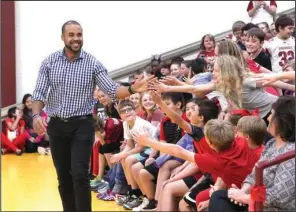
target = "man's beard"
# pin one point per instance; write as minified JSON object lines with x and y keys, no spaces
{"x":72,"y":50}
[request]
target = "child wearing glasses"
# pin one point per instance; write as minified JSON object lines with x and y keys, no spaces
{"x":132,"y":153}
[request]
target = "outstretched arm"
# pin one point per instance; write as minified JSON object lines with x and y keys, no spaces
{"x":268,"y":79}
{"x":198,"y":89}
{"x":170,"y":149}
{"x":176,"y":118}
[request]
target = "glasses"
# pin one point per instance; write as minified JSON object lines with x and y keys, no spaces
{"x":126,"y":110}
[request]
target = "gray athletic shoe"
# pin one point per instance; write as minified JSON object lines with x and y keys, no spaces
{"x":133,"y":203}
{"x":122,"y":199}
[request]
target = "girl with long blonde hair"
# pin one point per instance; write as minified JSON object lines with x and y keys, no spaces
{"x":235,"y":82}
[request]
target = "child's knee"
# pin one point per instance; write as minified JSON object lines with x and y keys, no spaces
{"x":145,"y":175}
{"x":130,"y":160}
{"x":169,"y":188}
{"x":136,"y":168}
{"x":182,"y":205}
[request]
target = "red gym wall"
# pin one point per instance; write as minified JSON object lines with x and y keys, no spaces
{"x":8,"y":79}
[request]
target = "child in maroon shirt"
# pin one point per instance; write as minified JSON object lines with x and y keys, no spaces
{"x":108,"y":133}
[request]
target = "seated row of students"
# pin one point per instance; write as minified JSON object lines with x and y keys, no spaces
{"x":18,"y":134}
{"x":151,"y":178}
{"x":230,"y":77}
{"x":230,"y":161}
{"x":235,"y":91}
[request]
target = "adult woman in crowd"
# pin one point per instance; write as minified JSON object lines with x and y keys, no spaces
{"x":278,"y":179}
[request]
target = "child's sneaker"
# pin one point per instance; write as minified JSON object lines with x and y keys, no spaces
{"x":122,"y":199}
{"x":47,"y":151}
{"x":103,"y":189}
{"x":143,"y":205}
{"x":151,"y":206}
{"x":41,"y":150}
{"x":95,"y":183}
{"x":109,"y":197}
{"x":133,"y":203}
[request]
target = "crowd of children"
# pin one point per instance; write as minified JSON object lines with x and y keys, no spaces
{"x":18,"y":135}
{"x":191,"y":141}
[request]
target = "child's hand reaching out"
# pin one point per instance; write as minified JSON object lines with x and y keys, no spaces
{"x":156,"y":97}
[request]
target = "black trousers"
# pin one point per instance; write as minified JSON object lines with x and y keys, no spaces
{"x":220,"y":202}
{"x":71,"y":145}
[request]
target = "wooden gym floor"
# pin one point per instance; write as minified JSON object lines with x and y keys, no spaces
{"x":29,"y":183}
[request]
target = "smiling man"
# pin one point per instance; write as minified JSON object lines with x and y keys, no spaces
{"x":66,"y":81}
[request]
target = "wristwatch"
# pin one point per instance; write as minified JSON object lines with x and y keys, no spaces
{"x":130,"y":90}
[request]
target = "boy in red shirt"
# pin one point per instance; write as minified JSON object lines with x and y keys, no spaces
{"x":230,"y":159}
{"x":199,"y":112}
{"x":251,"y":130}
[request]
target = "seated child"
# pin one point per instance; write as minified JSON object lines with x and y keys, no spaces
{"x":198,"y":112}
{"x":170,"y":132}
{"x":231,"y":159}
{"x":132,"y":152}
{"x":14,"y":139}
{"x":252,"y":129}
{"x":108,"y":133}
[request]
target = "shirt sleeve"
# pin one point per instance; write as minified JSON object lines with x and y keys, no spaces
{"x":266,"y":62}
{"x":250,"y":83}
{"x":161,"y":132}
{"x":267,"y":46}
{"x":42,"y":86}
{"x":21,"y":123}
{"x":152,"y":130}
{"x":250,"y":6}
{"x":126,"y":133}
{"x":207,"y":163}
{"x":104,"y":82}
{"x":282,"y":191}
{"x":197,"y":133}
{"x":273,"y":3}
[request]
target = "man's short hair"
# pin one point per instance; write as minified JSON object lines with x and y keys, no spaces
{"x":219,"y":133}
{"x":254,"y":127}
{"x":69,"y":23}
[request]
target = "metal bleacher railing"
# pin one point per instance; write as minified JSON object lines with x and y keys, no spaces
{"x":181,"y":51}
{"x":258,"y":191}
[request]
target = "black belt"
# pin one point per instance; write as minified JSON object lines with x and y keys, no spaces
{"x":73,"y":118}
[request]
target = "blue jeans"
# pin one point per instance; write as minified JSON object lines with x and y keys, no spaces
{"x":119,"y":175}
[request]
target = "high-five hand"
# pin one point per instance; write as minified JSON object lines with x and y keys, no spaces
{"x":141,"y":84}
